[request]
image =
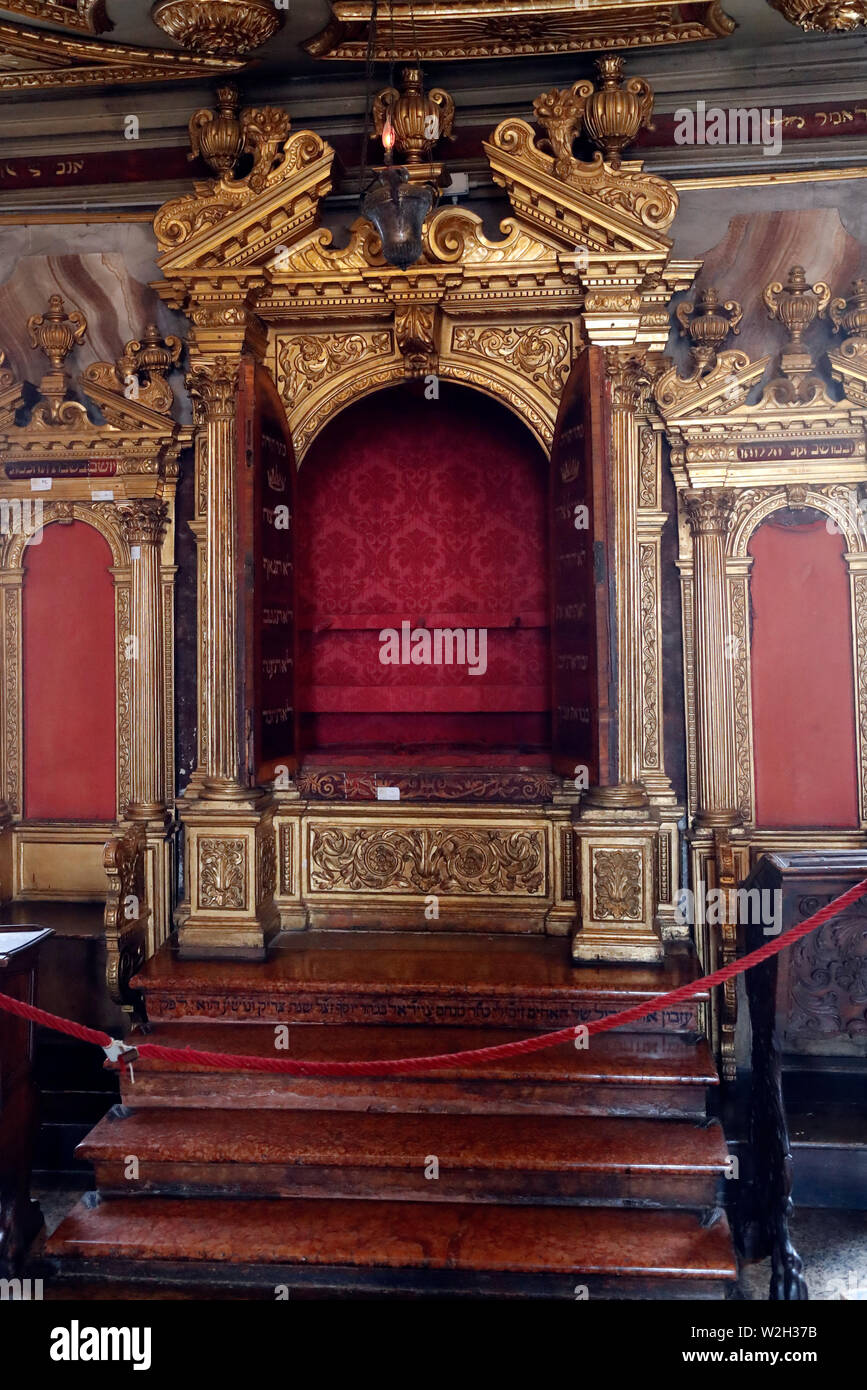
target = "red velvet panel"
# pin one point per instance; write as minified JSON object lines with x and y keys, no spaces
{"x":433,"y":513}
{"x":803,"y":689}
{"x":69,"y":679}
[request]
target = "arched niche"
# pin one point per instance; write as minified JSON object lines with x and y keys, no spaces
{"x":431,"y":513}
{"x":69,"y":688}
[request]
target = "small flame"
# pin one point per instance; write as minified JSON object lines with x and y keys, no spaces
{"x":388,"y":135}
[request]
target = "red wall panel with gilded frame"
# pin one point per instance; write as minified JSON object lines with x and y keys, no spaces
{"x":68,"y":628}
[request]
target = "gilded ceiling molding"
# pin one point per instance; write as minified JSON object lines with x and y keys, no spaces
{"x":828,"y":16}
{"x":38,"y":59}
{"x":219,"y":28}
{"x":468,"y":29}
{"x":84,"y":16}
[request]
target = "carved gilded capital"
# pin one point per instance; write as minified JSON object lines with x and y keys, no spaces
{"x":143,"y":521}
{"x":631,"y":375}
{"x":213,"y":387}
{"x":709,"y":511}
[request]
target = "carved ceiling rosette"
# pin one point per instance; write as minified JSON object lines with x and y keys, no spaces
{"x":219,"y":28}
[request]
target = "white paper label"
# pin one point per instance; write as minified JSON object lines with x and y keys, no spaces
{"x":388,"y":793}
{"x":40,"y":484}
{"x":102,"y":495}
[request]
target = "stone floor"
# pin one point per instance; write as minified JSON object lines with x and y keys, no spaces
{"x":832,"y":1244}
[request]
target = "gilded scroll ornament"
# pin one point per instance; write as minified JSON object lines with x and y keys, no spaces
{"x":223,"y":873}
{"x":543,"y":353}
{"x":266,"y":865}
{"x":414,"y":326}
{"x":427,"y":860}
{"x":618,"y":878}
{"x":126,"y":912}
{"x":647,"y":570}
{"x":306,"y":361}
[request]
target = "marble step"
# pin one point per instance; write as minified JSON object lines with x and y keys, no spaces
{"x":641,"y":1074}
{"x":335,"y":1246}
{"x":402,"y":978}
{"x":491,"y":1158}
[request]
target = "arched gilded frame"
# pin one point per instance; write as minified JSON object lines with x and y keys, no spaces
{"x":102,"y":517}
{"x":751,"y":509}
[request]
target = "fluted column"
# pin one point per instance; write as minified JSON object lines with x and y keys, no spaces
{"x":144,"y":523}
{"x":709,"y":513}
{"x":213,"y":387}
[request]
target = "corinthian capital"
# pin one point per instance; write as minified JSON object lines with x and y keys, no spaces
{"x":709,"y":511}
{"x":631,"y":375}
{"x":143,"y":521}
{"x":213,"y":387}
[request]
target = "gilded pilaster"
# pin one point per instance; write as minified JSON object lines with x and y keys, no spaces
{"x":143,"y":523}
{"x":709,"y":513}
{"x":213,"y":387}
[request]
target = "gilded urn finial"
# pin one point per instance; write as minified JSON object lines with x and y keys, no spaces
{"x":217,"y":135}
{"x":55,"y":332}
{"x":707,"y":323}
{"x":411,"y":120}
{"x":796,"y":304}
{"x":615,"y":111}
{"x":152,"y":355}
{"x":849,"y":316}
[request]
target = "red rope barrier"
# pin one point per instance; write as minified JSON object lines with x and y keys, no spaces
{"x":227,"y":1061}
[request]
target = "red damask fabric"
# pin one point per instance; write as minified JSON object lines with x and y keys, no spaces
{"x":432,"y":513}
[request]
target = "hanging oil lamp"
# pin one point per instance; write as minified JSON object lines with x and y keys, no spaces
{"x":409,"y":121}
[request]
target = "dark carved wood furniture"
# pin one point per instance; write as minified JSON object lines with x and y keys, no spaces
{"x":20,"y":1218}
{"x":809,"y":1038}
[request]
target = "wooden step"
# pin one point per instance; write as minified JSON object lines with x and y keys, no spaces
{"x":415,"y":978}
{"x":640,"y":1074}
{"x":490,"y":1158}
{"x":334,"y":1246}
